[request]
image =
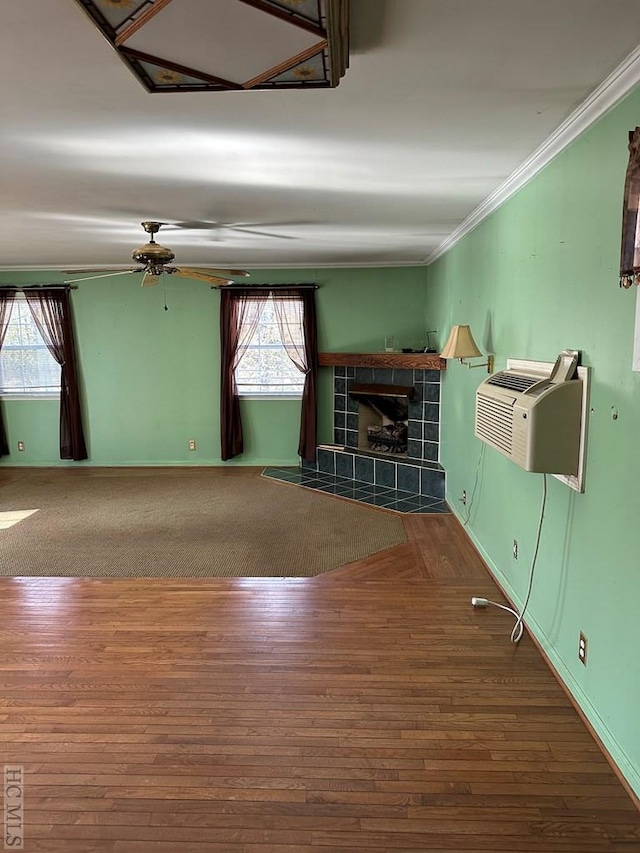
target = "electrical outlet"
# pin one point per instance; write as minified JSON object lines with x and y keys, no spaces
{"x":582,"y":649}
{"x":463,"y":498}
{"x":515,"y":549}
{"x":21,"y":445}
{"x":192,"y":444}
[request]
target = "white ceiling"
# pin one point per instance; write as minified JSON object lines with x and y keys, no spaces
{"x":442,"y":101}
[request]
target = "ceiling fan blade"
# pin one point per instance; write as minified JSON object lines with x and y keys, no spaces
{"x":282,"y":224}
{"x":109,"y":270}
{"x":188,"y":272}
{"x":102,"y":275}
{"x":222,"y":272}
{"x":259,"y":233}
{"x":210,"y":225}
{"x":195,"y":224}
{"x":149,"y":280}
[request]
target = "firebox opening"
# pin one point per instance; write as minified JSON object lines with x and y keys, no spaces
{"x":383,"y":413}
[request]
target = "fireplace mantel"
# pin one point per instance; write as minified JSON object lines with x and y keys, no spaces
{"x":410,"y":360}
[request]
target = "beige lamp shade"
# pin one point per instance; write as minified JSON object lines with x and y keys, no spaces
{"x":460,"y":344}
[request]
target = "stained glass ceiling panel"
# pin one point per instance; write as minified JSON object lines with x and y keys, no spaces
{"x":217,"y":45}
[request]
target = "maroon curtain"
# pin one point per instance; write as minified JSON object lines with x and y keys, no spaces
{"x":630,"y":251}
{"x":51,"y":310}
{"x":6,"y":304}
{"x":240,"y":313}
{"x":303,"y":352}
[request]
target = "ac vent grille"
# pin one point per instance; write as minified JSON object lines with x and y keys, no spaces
{"x":494,"y":422}
{"x":512,"y":381}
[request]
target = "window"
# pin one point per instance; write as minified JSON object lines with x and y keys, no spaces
{"x":294,"y":310}
{"x":27,"y":368}
{"x":265,"y":368}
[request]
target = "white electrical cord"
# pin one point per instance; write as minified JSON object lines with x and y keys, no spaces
{"x":518,"y":628}
{"x":475,"y":484}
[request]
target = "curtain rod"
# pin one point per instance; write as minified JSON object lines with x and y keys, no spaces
{"x":23,"y":287}
{"x":303,"y":286}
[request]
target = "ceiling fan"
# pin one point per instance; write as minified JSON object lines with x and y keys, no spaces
{"x":155,"y":261}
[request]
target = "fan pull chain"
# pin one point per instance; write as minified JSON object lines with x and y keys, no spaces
{"x":164,"y":287}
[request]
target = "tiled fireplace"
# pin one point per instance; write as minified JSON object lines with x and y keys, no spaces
{"x":415,"y":472}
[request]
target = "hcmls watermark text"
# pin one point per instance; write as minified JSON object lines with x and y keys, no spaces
{"x":13,"y":790}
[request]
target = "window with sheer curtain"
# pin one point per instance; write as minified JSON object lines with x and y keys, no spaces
{"x":27,"y":368}
{"x":38,"y":320}
{"x":286,"y":314}
{"x":265,"y":368}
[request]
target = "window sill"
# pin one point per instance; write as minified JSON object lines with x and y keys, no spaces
{"x":291,"y":397}
{"x":12,"y":397}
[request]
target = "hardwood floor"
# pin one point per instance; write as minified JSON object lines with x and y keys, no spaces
{"x":368,"y":709}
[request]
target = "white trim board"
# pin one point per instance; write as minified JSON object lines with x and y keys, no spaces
{"x":610,"y":92}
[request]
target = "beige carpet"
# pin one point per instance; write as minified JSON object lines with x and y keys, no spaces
{"x":180,"y":523}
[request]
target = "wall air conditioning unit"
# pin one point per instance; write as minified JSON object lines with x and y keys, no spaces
{"x":534,"y":415}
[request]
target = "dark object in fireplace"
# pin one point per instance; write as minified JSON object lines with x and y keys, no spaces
{"x":389,"y":438}
{"x":384,"y":428}
{"x":391,"y":401}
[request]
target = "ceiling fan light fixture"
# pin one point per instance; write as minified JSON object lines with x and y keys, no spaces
{"x":152,"y":254}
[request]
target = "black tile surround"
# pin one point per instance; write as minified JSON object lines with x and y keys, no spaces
{"x":414,"y":478}
{"x":411,"y":483}
{"x":424,"y":408}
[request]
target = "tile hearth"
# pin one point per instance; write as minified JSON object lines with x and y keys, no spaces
{"x":372,"y":494}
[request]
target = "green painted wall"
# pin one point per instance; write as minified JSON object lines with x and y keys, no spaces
{"x":537,"y":276}
{"x":150,"y":377}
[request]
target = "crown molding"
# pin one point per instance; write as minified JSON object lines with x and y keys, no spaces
{"x":610,"y":92}
{"x":54,"y":269}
